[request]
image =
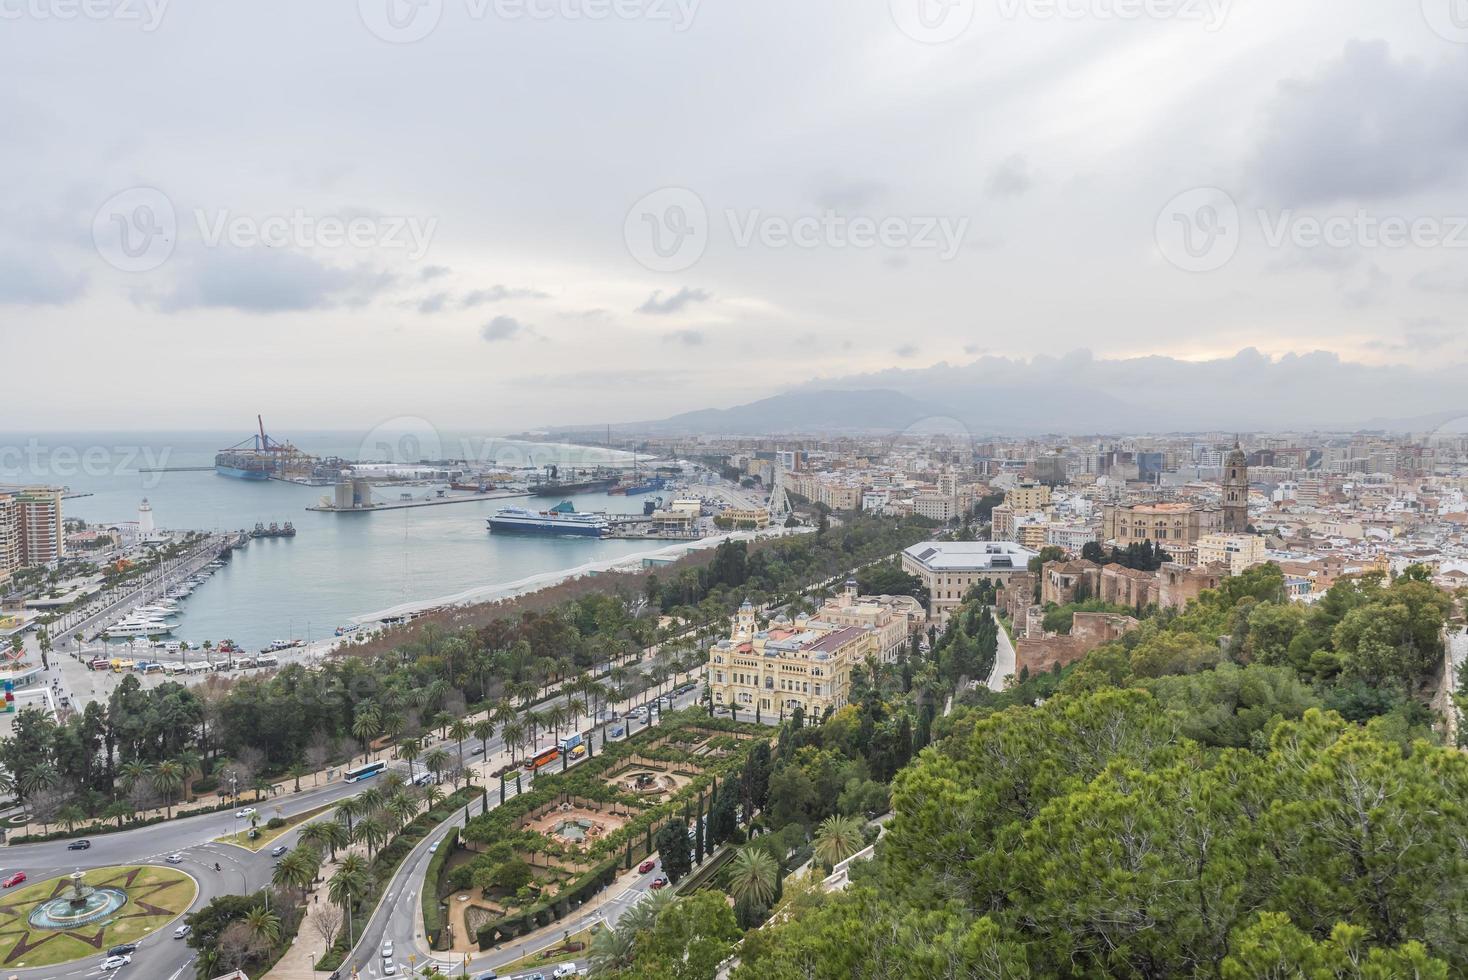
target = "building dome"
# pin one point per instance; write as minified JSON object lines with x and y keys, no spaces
{"x":1238,"y":457}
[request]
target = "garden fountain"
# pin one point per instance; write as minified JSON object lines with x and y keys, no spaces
{"x":80,"y":905}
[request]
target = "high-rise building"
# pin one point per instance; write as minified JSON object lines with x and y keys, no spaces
{"x":10,"y":547}
{"x":42,"y":535}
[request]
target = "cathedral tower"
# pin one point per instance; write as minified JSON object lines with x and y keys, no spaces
{"x":1236,"y":491}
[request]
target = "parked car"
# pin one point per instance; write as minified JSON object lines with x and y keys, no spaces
{"x":387,"y":950}
{"x":116,"y":962}
{"x":79,"y":845}
{"x":14,"y":879}
{"x":278,"y":850}
{"x":660,"y":882}
{"x":646,"y":866}
{"x":182,"y":932}
{"x":389,"y":967}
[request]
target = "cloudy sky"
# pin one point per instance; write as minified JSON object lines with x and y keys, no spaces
{"x":507,"y":213}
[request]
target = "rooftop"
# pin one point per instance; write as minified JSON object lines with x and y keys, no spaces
{"x":970,"y":555}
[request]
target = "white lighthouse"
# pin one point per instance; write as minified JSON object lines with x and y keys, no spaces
{"x":146,"y":529}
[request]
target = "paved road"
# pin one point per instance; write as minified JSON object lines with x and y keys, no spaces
{"x":1004,"y":661}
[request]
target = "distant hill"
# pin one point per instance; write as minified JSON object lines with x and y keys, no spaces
{"x":797,"y":411}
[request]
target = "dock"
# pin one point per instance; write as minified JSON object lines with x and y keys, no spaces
{"x":467,"y":498}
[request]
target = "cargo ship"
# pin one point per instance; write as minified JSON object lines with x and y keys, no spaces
{"x":562,"y":519}
{"x":649,"y":486}
{"x":262,"y":458}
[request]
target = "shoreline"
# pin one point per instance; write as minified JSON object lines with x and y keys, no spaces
{"x":534,"y":583}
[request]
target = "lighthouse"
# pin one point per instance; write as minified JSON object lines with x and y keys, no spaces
{"x":145,"y":520}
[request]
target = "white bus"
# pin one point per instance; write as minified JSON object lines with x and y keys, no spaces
{"x":358,"y":773}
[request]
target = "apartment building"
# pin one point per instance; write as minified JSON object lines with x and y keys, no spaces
{"x":31,"y":528}
{"x":1240,"y":552}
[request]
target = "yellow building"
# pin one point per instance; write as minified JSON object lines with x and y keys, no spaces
{"x":806,"y":664}
{"x":1028,"y":498}
{"x":755,"y":517}
{"x":1240,"y":552}
{"x":892,"y":617}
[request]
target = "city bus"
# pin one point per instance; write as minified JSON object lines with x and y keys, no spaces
{"x":543,"y":758}
{"x":357,"y":773}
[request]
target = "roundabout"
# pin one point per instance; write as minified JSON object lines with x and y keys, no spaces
{"x":83,"y":914}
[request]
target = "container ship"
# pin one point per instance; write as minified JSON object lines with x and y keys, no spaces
{"x":262,"y":458}
{"x":562,"y":519}
{"x":647,"y":486}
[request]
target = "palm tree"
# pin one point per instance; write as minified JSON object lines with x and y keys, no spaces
{"x":263,"y":925}
{"x":513,"y":732}
{"x":118,"y":810}
{"x":316,"y":835}
{"x":168,"y":778}
{"x":484,"y":731}
{"x":433,"y":797}
{"x":370,"y":831}
{"x":38,"y":779}
{"x":611,"y":950}
{"x":459,"y":731}
{"x":365,"y":727}
{"x":836,"y":839}
{"x":402,"y":808}
{"x":349,"y":810}
{"x":130,"y":772}
{"x":347,"y":887}
{"x":437,"y":760}
{"x":753,"y":877}
{"x":297,"y":869}
{"x":70,"y":815}
{"x":409,"y":749}
{"x":296,"y":771}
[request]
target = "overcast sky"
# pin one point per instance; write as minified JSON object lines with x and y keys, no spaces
{"x":561,"y":217}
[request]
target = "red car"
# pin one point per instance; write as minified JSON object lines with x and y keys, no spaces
{"x":646,"y":866}
{"x":14,"y":879}
{"x":659,"y":882}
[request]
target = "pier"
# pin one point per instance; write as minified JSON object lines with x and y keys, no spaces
{"x":468,"y":498}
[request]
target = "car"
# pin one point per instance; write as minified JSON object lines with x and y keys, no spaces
{"x":123,"y":949}
{"x":14,"y":879}
{"x":248,"y":811}
{"x":175,"y":858}
{"x":116,"y":962}
{"x":433,"y":848}
{"x":491,"y":975}
{"x":618,"y":732}
{"x":389,"y":967}
{"x":182,"y":932}
{"x":646,"y":866}
{"x":387,"y":950}
{"x":79,"y":845}
{"x":477,"y":750}
{"x":564,"y":970}
{"x":278,"y":850}
{"x":660,"y":882}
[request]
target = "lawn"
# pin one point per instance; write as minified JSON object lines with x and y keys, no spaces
{"x":535,"y":960}
{"x":155,"y":897}
{"x":268,"y":835}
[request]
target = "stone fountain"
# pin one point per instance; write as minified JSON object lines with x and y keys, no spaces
{"x":79,"y":905}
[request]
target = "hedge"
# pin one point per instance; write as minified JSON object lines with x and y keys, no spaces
{"x":433,"y":889}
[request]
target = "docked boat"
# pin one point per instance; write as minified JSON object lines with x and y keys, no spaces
{"x":562,"y":519}
{"x":133,"y":628}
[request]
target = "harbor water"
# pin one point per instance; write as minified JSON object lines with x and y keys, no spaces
{"x":338,"y":566}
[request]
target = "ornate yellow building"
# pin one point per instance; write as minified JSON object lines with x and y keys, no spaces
{"x":805,"y":663}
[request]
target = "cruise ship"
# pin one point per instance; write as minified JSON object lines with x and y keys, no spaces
{"x":562,"y":519}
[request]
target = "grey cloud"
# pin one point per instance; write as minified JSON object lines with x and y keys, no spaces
{"x":31,"y":278}
{"x":1441,"y":280}
{"x":430,"y":272}
{"x":504,"y":328}
{"x":1365,"y":126}
{"x":688,"y":338}
{"x":833,"y":194}
{"x":266,"y":280}
{"x":683,"y":298}
{"x":434,"y":303}
{"x":906,"y":351}
{"x":1012,"y":178}
{"x":497,"y":294}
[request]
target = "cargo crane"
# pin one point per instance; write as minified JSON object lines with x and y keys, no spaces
{"x":260,"y":457}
